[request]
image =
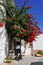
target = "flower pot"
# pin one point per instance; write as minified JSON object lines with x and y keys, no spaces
{"x":7,"y":61}
{"x":38,"y":55}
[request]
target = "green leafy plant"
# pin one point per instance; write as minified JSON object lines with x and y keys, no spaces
{"x":8,"y":58}
{"x":40,"y":52}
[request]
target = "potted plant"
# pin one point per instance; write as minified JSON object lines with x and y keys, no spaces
{"x":39,"y":53}
{"x":8,"y":60}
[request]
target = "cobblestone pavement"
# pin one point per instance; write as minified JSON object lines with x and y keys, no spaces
{"x":26,"y":60}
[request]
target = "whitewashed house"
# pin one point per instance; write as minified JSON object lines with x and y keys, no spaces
{"x":3,"y":37}
{"x":37,"y":45}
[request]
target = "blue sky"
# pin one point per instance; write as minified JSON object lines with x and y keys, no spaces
{"x":36,"y":10}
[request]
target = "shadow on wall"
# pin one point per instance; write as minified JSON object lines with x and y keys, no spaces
{"x":37,"y":63}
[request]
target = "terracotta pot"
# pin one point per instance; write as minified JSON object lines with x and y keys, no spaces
{"x":38,"y":55}
{"x":7,"y":61}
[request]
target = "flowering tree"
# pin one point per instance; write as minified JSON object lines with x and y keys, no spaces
{"x":35,"y":30}
{"x":18,"y":22}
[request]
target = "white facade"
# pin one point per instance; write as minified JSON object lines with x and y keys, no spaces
{"x":38,"y":44}
{"x":3,"y":43}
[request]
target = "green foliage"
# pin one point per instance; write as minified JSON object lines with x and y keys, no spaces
{"x":8,"y":58}
{"x":16,"y":19}
{"x":40,"y":52}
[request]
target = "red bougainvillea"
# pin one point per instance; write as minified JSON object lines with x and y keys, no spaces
{"x":18,"y":35}
{"x":29,"y":16}
{"x":25,"y":34}
{"x":31,"y":38}
{"x":36,"y":22}
{"x":29,"y":7}
{"x":1,"y":24}
{"x":24,"y":30}
{"x":34,"y":31}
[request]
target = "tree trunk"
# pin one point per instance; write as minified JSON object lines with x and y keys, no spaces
{"x":31,"y":45}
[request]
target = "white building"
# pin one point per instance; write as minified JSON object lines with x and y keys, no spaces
{"x":38,"y":44}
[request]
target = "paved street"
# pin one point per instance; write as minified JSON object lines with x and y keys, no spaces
{"x":26,"y":60}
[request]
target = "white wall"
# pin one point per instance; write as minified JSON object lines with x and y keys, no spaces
{"x":3,"y":43}
{"x":38,"y":45}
